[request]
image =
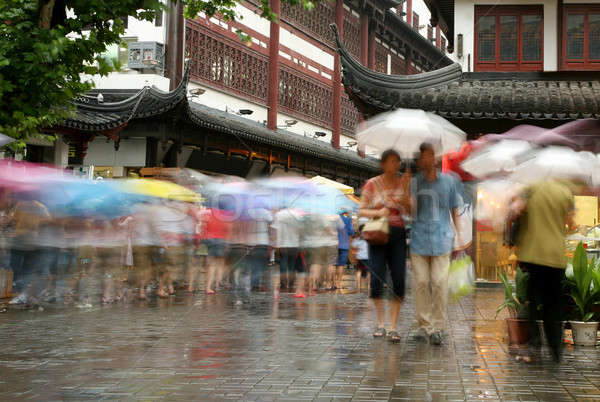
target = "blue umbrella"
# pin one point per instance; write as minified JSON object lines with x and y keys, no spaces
{"x":87,"y":198}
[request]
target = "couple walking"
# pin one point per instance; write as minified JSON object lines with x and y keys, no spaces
{"x":432,"y":198}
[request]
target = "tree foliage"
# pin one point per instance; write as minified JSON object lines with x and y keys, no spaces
{"x":46,"y":45}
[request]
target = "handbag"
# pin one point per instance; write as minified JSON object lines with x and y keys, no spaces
{"x":376,"y":231}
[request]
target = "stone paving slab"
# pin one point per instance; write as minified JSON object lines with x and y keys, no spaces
{"x":198,"y":347}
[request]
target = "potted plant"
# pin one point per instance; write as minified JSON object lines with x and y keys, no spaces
{"x":515,"y":301}
{"x":584,"y":289}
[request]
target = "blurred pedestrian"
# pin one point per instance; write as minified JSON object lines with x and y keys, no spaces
{"x":214,"y":234}
{"x":345,"y":232}
{"x":388,"y":195}
{"x":258,"y":240}
{"x":436,"y":200}
{"x":360,"y":251}
{"x":26,"y":258}
{"x":287,"y":225}
{"x":547,"y":209}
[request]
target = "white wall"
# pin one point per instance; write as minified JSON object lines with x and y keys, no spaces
{"x":128,"y":80}
{"x":464,"y":23}
{"x":424,"y":13}
{"x":132,"y":152}
{"x":145,"y":31}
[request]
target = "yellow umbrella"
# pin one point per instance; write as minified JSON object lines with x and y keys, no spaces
{"x":159,"y":188}
{"x":331,"y":183}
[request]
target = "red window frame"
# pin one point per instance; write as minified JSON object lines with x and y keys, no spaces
{"x":579,"y":64}
{"x":415,"y":21}
{"x":519,"y":64}
{"x":443,"y":44}
{"x":429,"y":32}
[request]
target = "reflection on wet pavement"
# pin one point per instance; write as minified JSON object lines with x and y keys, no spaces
{"x":197,"y":347}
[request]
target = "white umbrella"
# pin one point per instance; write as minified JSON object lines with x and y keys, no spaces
{"x":497,"y":157}
{"x":5,"y":139}
{"x":554,"y":162}
{"x":406,"y":129}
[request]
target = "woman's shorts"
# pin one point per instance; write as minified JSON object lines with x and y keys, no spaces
{"x":318,"y":256}
{"x":392,"y":257}
{"x":215,"y":247}
{"x":342,"y":257}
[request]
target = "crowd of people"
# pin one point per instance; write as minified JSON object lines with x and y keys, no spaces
{"x":164,"y":244}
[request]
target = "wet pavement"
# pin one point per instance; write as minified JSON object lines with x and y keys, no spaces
{"x":198,"y":347}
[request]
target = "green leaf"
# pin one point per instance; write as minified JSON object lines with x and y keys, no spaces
{"x":588,"y":316}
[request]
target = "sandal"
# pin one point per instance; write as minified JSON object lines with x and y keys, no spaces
{"x":394,"y":337}
{"x":379,"y":333}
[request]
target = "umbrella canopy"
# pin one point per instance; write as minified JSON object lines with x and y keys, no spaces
{"x":498,"y":157}
{"x":157,"y":188}
{"x":5,"y":139}
{"x":584,"y":132}
{"x":320,"y":180}
{"x":535,"y":135}
{"x":302,"y":194}
{"x":406,"y":129}
{"x":327,"y":201}
{"x":554,"y":162}
{"x":244,"y":199}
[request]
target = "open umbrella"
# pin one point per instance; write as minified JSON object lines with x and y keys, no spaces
{"x":554,"y":162}
{"x":406,"y":129}
{"x":157,"y":188}
{"x":5,"y":139}
{"x":498,"y":157}
{"x":320,"y":180}
{"x":534,"y":135}
{"x":244,"y":199}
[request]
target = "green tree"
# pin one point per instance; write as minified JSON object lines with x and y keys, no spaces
{"x":45,"y":46}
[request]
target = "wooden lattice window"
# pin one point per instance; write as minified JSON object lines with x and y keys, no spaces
{"x":509,"y":38}
{"x":581,"y":37}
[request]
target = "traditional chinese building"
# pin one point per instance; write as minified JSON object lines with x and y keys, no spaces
{"x":514,"y":63}
{"x":246,"y":107}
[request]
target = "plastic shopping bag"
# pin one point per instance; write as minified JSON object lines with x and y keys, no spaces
{"x":461,"y":278}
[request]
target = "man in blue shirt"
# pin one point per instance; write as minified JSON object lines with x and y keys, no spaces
{"x":344,"y":233}
{"x":436,"y":197}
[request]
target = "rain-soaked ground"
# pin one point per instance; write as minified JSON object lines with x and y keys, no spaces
{"x":198,"y":347}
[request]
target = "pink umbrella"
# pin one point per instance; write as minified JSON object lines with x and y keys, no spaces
{"x":533,"y":134}
{"x":26,"y":176}
{"x":585,"y":132}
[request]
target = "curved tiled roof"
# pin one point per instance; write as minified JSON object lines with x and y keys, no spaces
{"x":91,"y":115}
{"x":244,"y":128}
{"x":451,"y":93}
{"x":94,"y":117}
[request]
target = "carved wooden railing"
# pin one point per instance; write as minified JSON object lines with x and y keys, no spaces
{"x":349,"y":116}
{"x":315,"y":22}
{"x":230,"y":66}
{"x":226,"y":63}
{"x":304,"y":96}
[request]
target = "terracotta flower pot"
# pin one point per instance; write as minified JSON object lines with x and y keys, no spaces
{"x":584,"y":333}
{"x":518,"y":331}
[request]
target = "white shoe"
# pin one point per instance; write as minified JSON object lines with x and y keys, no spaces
{"x":20,"y":299}
{"x":84,"y":305}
